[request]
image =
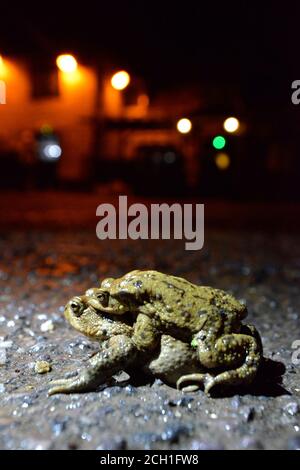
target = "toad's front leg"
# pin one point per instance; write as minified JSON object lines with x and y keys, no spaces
{"x":120,"y":353}
{"x":146,"y":335}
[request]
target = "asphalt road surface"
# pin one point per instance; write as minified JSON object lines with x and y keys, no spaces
{"x":39,"y":272}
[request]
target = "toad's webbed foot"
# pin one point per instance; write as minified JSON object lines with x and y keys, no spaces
{"x":76,"y":384}
{"x":193,"y":382}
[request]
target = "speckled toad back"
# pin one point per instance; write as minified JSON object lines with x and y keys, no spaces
{"x":208,"y":320}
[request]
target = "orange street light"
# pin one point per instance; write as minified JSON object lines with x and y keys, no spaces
{"x":2,"y":67}
{"x":184,"y":126}
{"x":66,"y":63}
{"x":120,"y":80}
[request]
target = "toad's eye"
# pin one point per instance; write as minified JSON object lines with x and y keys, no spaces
{"x":103,"y":298}
{"x":76,"y":307}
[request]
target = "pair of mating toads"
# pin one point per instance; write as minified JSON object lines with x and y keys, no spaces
{"x":187,"y":335}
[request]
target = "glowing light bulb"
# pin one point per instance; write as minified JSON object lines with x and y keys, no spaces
{"x":120,"y":80}
{"x":184,"y":126}
{"x":222,"y":160}
{"x":2,"y":68}
{"x":52,"y":151}
{"x":219,"y":142}
{"x":66,"y":63}
{"x":231,"y":124}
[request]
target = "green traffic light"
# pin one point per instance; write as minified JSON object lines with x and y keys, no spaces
{"x":219,"y":142}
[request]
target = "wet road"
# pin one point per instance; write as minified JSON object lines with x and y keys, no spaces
{"x":41,"y":270}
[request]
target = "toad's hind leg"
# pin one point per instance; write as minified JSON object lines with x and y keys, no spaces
{"x":250,"y":330}
{"x":241,"y":355}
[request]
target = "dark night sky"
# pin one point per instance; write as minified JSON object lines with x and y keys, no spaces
{"x":252,"y":44}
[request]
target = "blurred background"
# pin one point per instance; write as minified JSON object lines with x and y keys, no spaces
{"x":150,"y":100}
{"x":163,"y":102}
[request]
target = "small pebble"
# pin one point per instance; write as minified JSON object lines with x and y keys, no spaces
{"x":47,"y":326}
{"x":236,"y":402}
{"x":130,"y":390}
{"x":42,"y":316}
{"x":5,"y":344}
{"x":174,"y":432}
{"x":291,"y":408}
{"x":3,"y":357}
{"x":185,"y":401}
{"x":42,"y":367}
{"x":121,"y":377}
